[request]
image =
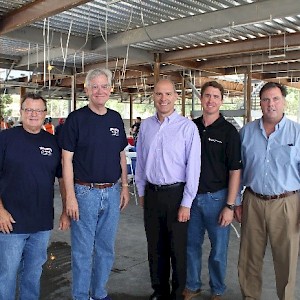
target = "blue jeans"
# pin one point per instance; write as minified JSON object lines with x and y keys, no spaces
{"x":22,"y":255}
{"x":93,"y":240}
{"x":205,"y":212}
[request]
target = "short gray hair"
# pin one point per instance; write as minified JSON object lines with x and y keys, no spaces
{"x":98,"y":72}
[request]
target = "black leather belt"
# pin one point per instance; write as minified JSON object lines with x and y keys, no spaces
{"x":94,"y":185}
{"x":163,"y":187}
{"x":271,"y":197}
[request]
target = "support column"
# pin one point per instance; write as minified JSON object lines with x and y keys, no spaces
{"x":156,"y":67}
{"x":130,"y":109}
{"x":22,"y":92}
{"x":248,"y":104}
{"x":183,"y":96}
{"x":73,"y":93}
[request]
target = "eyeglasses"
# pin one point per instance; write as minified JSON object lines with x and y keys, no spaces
{"x":29,"y":111}
{"x":102,"y":86}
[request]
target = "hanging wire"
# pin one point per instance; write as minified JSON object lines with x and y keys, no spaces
{"x":44,"y":38}
{"x":105,"y":31}
{"x":101,"y":33}
{"x":104,"y":36}
{"x":86,"y":40}
{"x":127,"y":50}
{"x":28,"y":56}
{"x":144,"y":27}
{"x":48,"y":54}
{"x":116,"y":66}
{"x":65,"y":52}
{"x":130,"y":19}
{"x":125,"y":64}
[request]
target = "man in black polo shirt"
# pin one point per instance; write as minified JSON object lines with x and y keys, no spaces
{"x":213,"y":207}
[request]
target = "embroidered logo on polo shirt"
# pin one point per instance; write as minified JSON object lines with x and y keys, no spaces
{"x":214,"y":141}
{"x":46,"y":151}
{"x":114,"y":131}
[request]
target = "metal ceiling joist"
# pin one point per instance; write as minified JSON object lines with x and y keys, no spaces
{"x":247,"y":46}
{"x":35,"y":36}
{"x":240,"y":15}
{"x":246,"y":60}
{"x":35,"y":11}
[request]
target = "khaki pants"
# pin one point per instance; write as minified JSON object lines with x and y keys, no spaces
{"x":278,"y":221}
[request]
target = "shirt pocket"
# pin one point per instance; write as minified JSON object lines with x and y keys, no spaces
{"x":283,"y":154}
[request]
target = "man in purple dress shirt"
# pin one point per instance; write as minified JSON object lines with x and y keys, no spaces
{"x":167,"y":176}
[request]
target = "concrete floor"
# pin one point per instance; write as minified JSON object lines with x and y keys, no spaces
{"x":129,"y":279}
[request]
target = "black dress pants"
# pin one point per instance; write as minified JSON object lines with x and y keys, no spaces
{"x":167,"y":238}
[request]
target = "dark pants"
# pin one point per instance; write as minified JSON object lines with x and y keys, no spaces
{"x":167,"y":239}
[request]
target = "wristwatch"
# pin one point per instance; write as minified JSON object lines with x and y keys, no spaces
{"x":230,"y":206}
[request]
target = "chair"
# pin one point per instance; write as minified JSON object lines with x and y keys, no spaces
{"x":131,"y":173}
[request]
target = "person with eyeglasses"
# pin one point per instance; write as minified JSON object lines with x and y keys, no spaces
{"x":30,"y":159}
{"x":270,"y":210}
{"x":95,"y":174}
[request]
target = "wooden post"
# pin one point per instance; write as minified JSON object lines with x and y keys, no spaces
{"x":183,"y":96}
{"x":156,"y":67}
{"x":248,"y":96}
{"x":130,"y":109}
{"x":73,"y":91}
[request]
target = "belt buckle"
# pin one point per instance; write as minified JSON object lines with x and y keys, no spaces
{"x":96,"y":185}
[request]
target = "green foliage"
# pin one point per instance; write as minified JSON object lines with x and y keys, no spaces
{"x":292,"y":100}
{"x":5,"y":101}
{"x":57,"y":108}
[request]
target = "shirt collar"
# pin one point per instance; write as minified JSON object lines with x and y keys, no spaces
{"x":277,"y":126}
{"x":170,"y":118}
{"x":215,"y":123}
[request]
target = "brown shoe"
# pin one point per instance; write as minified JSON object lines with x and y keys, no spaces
{"x":216,"y":297}
{"x":188,"y":294}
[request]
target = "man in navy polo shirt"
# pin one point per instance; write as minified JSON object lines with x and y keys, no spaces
{"x":29,"y":161}
{"x":93,"y":161}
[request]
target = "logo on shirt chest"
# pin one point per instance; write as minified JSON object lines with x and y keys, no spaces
{"x":214,"y":140}
{"x":46,"y":151}
{"x":114,"y":131}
